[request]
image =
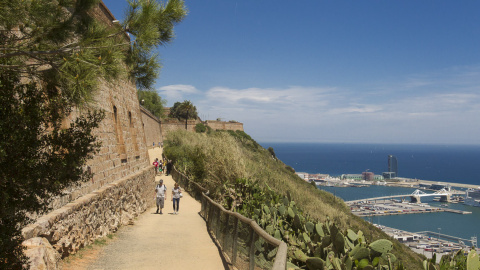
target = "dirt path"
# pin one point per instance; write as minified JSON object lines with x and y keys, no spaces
{"x":157,"y":241}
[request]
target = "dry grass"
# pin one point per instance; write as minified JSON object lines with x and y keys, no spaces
{"x":86,"y":256}
{"x":226,"y":158}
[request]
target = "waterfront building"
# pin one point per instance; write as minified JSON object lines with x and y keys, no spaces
{"x":369,"y":176}
{"x":392,"y":165}
{"x":472,"y":197}
{"x":440,"y":187}
{"x":352,"y":176}
{"x":302,"y":175}
{"x":388,"y":175}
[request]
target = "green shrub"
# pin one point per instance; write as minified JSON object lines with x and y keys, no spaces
{"x":200,"y":128}
{"x":272,"y":152}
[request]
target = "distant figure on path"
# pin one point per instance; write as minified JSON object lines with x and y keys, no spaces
{"x":169,"y":167}
{"x":155,"y":163}
{"x":161,"y":195}
{"x":176,"y":195}
{"x":164,"y":165}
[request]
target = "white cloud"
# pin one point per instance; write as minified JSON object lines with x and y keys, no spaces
{"x":291,"y":95}
{"x":442,"y":107}
{"x":357,"y":109}
{"x":177,"y":92}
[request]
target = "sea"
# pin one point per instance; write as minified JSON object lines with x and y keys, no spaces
{"x":445,"y":163}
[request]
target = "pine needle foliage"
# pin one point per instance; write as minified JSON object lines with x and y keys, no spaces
{"x":53,"y":55}
{"x":151,"y":24}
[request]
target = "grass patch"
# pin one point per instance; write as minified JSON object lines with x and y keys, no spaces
{"x":220,"y":158}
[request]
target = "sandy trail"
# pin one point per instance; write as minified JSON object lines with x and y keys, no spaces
{"x":165,"y":241}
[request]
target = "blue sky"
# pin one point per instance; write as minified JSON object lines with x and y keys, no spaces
{"x":330,"y":71}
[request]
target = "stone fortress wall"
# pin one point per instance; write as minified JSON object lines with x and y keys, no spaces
{"x":123,"y":151}
{"x":222,"y":125}
{"x":174,"y":124}
{"x":122,"y":174}
{"x":152,"y":127}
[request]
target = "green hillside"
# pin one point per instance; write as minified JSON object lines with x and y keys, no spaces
{"x":218,"y":159}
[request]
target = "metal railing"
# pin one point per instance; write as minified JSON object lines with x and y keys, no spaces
{"x":245,"y":244}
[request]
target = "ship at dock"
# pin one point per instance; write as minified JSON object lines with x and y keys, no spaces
{"x":472,"y":197}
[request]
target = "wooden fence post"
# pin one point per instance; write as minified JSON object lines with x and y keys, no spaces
{"x":235,"y":237}
{"x":253,"y":238}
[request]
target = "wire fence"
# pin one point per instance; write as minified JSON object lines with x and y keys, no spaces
{"x":245,"y":244}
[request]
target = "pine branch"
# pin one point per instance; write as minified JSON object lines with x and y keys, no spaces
{"x":59,"y":51}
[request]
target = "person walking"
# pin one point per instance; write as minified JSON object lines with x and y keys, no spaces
{"x":161,"y":195}
{"x":155,"y":163}
{"x":164,"y":165}
{"x":169,"y":166}
{"x":176,"y":195}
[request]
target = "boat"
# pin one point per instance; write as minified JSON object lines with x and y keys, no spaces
{"x":472,"y":197}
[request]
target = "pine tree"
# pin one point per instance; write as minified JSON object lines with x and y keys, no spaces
{"x":52,"y":56}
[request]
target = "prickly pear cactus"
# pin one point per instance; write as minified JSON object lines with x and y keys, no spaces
{"x":313,"y":245}
{"x":309,"y":226}
{"x":381,"y":246}
{"x":319,"y":229}
{"x":473,"y":262}
{"x":315,"y":263}
{"x":352,"y":235}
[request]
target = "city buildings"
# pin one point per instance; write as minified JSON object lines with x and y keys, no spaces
{"x":392,"y":168}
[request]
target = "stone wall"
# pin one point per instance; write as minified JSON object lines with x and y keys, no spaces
{"x":121,"y":133}
{"x":95,"y":215}
{"x":174,"y":124}
{"x":222,"y":125}
{"x":122,"y":179}
{"x":152,"y":128}
{"x":168,"y":125}
{"x":123,"y":151}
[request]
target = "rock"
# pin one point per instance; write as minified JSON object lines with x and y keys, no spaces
{"x":41,"y":254}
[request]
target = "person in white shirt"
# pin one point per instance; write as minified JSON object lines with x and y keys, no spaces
{"x":176,"y":195}
{"x":161,"y":195}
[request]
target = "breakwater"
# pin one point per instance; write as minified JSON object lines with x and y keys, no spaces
{"x":451,"y":223}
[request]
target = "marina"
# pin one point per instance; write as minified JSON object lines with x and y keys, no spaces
{"x":428,"y":242}
{"x":386,"y":207}
{"x":455,"y":218}
{"x":454,"y":167}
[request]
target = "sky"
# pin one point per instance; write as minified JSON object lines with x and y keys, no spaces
{"x":368,"y":71}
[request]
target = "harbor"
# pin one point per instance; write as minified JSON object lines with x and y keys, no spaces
{"x":450,"y":216}
{"x":452,"y":167}
{"x":428,"y":242}
{"x":387,"y":207}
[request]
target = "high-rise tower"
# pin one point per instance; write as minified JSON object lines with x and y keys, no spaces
{"x":392,"y":165}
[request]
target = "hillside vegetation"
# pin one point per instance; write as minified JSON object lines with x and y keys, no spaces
{"x":219,"y":159}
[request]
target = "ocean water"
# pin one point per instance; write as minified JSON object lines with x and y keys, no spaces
{"x":450,"y":163}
